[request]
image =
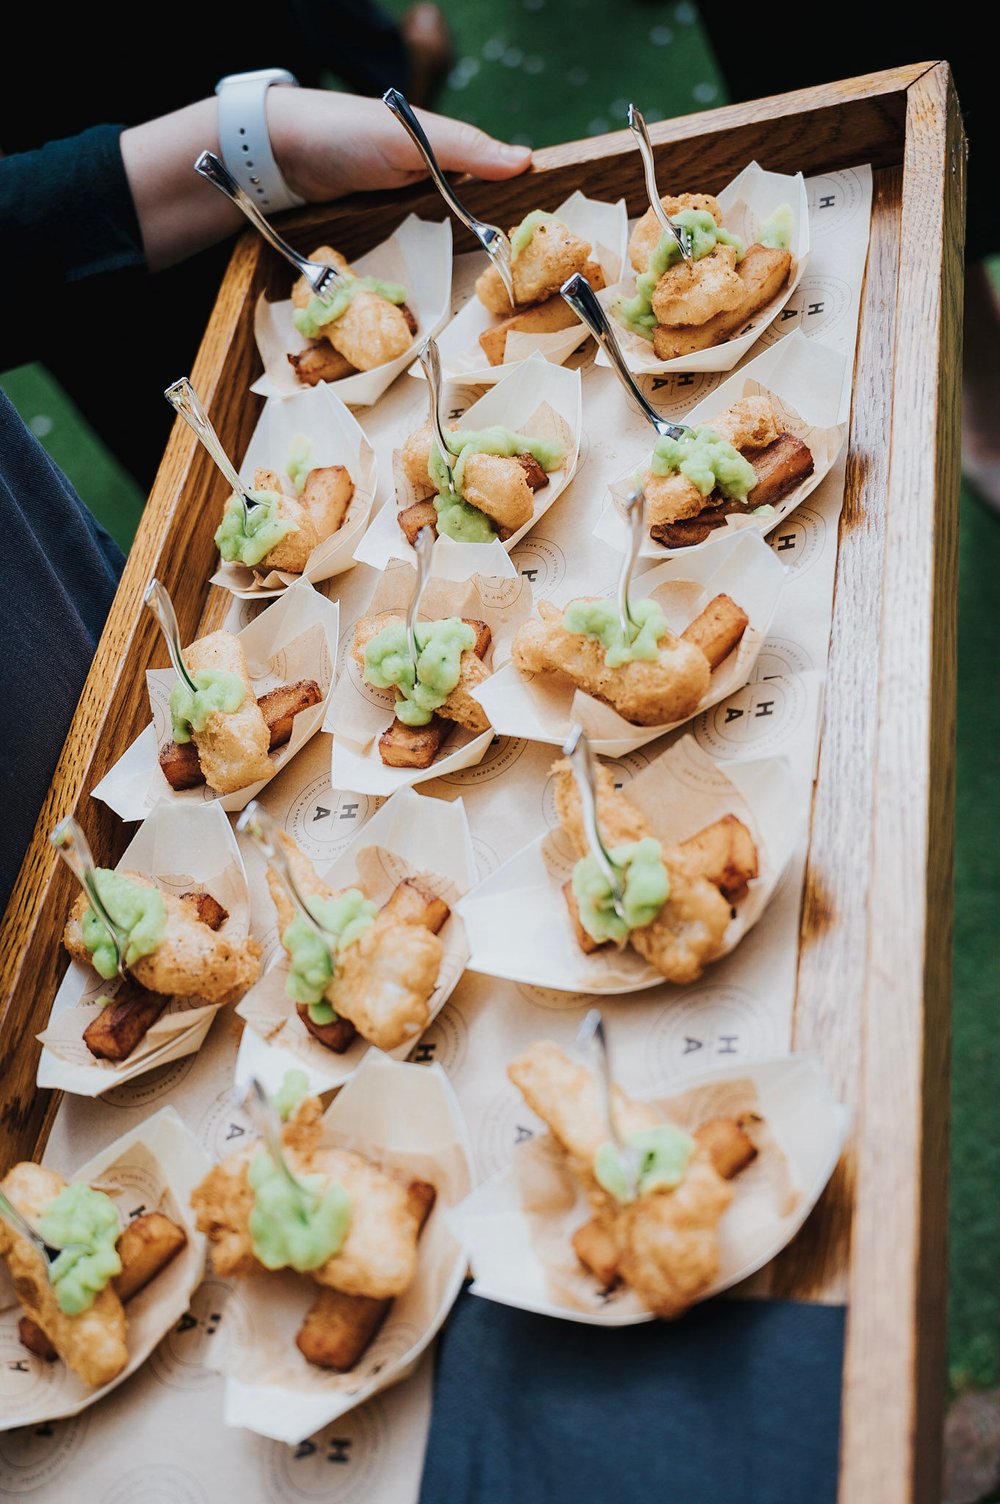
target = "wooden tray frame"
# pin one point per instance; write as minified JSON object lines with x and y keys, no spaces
{"x":873,"y":995}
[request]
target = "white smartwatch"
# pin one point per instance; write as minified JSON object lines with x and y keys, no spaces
{"x":244,"y":139}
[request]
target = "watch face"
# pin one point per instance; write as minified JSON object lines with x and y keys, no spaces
{"x":269,"y":75}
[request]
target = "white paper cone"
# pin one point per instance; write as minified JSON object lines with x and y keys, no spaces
{"x":545,"y":707}
{"x":803,"y":379}
{"x":418,"y":255}
{"x":405,"y":1118}
{"x":296,"y":638}
{"x":517,"y":1226}
{"x":182,"y":847}
{"x":746,"y":204}
{"x":537,"y":398}
{"x":408,"y":837}
{"x":605,"y":226}
{"x":358,"y":714}
{"x":337,"y":439}
{"x":517,"y":922}
{"x":155,"y":1167}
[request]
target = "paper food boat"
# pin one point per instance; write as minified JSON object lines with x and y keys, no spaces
{"x":538,"y":399}
{"x":184,"y":848}
{"x":409,"y":836}
{"x":336,"y":438}
{"x":545,"y":707}
{"x":517,"y":922}
{"x":154,"y":1167}
{"x":295,"y":638}
{"x":605,"y":226}
{"x":518,"y":1225}
{"x":746,"y":203}
{"x":405,"y":1118}
{"x":418,"y":255}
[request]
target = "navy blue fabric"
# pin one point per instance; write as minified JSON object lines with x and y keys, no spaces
{"x":738,"y":1403}
{"x":62,"y":573}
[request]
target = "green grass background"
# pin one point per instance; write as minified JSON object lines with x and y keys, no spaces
{"x":542,"y":71}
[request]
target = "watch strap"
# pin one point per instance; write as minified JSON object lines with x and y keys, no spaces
{"x":246,"y":144}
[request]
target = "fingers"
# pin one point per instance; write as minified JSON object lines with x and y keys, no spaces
{"x":462,"y":148}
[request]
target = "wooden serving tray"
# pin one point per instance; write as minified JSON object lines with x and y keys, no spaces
{"x":874,"y":969}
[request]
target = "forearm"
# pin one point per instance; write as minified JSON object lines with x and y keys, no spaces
{"x":178,"y":212}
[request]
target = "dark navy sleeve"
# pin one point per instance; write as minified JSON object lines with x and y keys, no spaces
{"x":66,"y":213}
{"x":63,"y":571}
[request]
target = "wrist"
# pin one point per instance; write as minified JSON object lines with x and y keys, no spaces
{"x":285,"y":109}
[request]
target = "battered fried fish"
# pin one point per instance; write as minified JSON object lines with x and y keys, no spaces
{"x":551,"y":255}
{"x":496,"y":484}
{"x":370,"y":331}
{"x":92,"y":1344}
{"x":317,"y":514}
{"x":233,"y":747}
{"x":648,"y":232}
{"x":750,"y":425}
{"x":379,"y":1254}
{"x":190,"y":961}
{"x":665,"y":1243}
{"x":459,"y":706}
{"x":688,"y":931}
{"x":384,"y":980}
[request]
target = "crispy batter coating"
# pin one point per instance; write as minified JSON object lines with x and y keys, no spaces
{"x":379,"y":1254}
{"x":459,"y":706}
{"x":190,"y":961}
{"x":748,"y":425}
{"x":415,"y":458}
{"x":552,"y":254}
{"x":763,"y":272}
{"x":646,"y":235}
{"x":688,"y":931}
{"x":666,"y":1241}
{"x":497,"y":485}
{"x":692,"y":292}
{"x":233,"y":747}
{"x":385,"y":979}
{"x":647,"y":694}
{"x":319,"y":361}
{"x":317,"y":514}
{"x":369,"y":332}
{"x":91,"y":1344}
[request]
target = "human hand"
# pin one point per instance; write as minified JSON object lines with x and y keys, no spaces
{"x":328,"y":144}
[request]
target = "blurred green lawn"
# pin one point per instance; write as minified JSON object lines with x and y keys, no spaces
{"x":541,"y":71}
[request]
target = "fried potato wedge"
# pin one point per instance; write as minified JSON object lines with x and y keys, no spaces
{"x":547,"y":317}
{"x":123,"y":1023}
{"x":412,"y":518}
{"x":145,"y":1247}
{"x":409,"y":903}
{"x":718,"y":629}
{"x":338,"y":1035}
{"x":763,"y":272}
{"x":413,"y":746}
{"x":729,"y":1146}
{"x":725,"y":853}
{"x":319,"y":361}
{"x":208,"y":909}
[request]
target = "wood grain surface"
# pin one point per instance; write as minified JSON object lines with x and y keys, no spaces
{"x":873,"y":983}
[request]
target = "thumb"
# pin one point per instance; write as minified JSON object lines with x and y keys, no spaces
{"x":460,"y":147}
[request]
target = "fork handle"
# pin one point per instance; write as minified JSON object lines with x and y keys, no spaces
{"x":215,"y":172}
{"x":399,"y":106}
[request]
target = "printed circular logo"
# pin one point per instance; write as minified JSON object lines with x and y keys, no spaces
{"x":24,"y":1379}
{"x":32,"y":1457}
{"x":150,"y":1088}
{"x":323,"y":820}
{"x":821,"y":302}
{"x":498,"y":591}
{"x":833,"y":202}
{"x":501,"y":754}
{"x":798,"y":540}
{"x":676,"y":392}
{"x":754,"y":718}
{"x":713,"y":1026}
{"x":157,"y":1483}
{"x":487,"y":859}
{"x":506,"y":1123}
{"x":778,"y":658}
{"x":552,"y":999}
{"x":444,"y":1042}
{"x":243,"y":612}
{"x":225,"y":1126}
{"x":189,"y":1354}
{"x":541,"y":562}
{"x":342,"y":1462}
{"x":393,"y":1342}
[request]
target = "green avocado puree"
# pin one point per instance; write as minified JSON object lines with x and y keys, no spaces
{"x":289,"y":1230}
{"x":291,"y":1094}
{"x":599,"y":620}
{"x":81,"y":1215}
{"x":440,"y":645}
{"x":456,"y":518}
{"x":311,"y":320}
{"x":521,"y":236}
{"x":637,"y":313}
{"x":218,"y":690}
{"x":300,"y":462}
{"x":664,"y":1155}
{"x":137,"y":910}
{"x":776,"y":232}
{"x":708,"y":461}
{"x":645,"y":889}
{"x":345,"y":920}
{"x":247,"y":539}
